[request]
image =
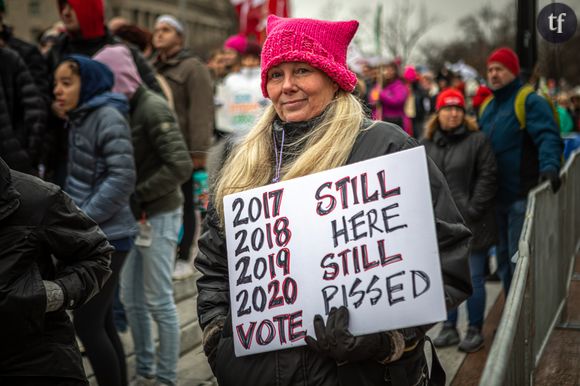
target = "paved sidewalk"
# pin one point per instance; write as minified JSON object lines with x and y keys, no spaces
{"x":194,"y":370}
{"x":560,"y":362}
{"x":465,"y":369}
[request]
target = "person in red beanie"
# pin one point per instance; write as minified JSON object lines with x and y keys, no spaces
{"x":315,"y":123}
{"x":464,"y":156}
{"x":527,"y":153}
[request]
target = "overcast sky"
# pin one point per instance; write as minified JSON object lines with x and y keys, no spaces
{"x":447,"y":11}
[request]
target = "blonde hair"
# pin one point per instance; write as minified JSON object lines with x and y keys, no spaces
{"x":326,"y":146}
{"x":432,"y":125}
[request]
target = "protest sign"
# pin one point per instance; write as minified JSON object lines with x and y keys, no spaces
{"x":362,"y":236}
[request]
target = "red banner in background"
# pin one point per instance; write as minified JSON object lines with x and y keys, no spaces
{"x":253,"y":14}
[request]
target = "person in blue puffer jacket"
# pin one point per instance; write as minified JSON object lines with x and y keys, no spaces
{"x":100,"y":179}
{"x":525,"y":155}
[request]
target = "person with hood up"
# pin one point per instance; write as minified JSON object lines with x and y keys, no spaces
{"x":163,"y":164}
{"x":464,"y":156}
{"x":100,"y":180}
{"x":85,"y":34}
{"x":315,"y":123}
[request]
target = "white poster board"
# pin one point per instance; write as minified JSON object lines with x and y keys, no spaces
{"x":362,"y":235}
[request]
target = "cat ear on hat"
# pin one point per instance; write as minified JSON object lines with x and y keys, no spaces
{"x":272,"y":22}
{"x":350,"y":28}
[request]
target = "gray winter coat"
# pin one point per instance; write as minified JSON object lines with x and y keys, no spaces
{"x":101,"y":170}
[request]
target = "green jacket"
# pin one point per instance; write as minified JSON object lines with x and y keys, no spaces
{"x":161,"y":156}
{"x":566,"y":122}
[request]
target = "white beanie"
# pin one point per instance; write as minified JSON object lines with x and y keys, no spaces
{"x":172,"y":21}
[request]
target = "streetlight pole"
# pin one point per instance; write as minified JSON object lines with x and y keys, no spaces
{"x":526,"y":42}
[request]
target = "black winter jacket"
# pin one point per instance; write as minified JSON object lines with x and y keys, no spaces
{"x":468,"y":163}
{"x":22,"y":114}
{"x":40,"y":225}
{"x":302,"y":366}
{"x":33,"y":59}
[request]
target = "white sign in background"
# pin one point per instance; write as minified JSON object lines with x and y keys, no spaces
{"x":290,"y":255}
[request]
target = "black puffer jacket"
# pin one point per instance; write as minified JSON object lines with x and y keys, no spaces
{"x":468,"y":163}
{"x":301,"y":366}
{"x":22,"y":114}
{"x":38,"y":222}
{"x":33,"y":59}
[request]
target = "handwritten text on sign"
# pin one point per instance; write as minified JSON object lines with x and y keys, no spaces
{"x":361,"y":235}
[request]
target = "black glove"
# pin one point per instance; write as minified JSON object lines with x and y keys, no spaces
{"x":553,"y":177}
{"x":336,"y":341}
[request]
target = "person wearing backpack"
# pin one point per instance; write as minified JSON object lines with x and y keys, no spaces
{"x":526,"y":141}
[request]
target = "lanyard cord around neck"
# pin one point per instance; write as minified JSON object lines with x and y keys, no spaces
{"x":278,"y":156}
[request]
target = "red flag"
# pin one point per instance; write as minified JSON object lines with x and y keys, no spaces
{"x":278,"y":8}
{"x":253,"y":14}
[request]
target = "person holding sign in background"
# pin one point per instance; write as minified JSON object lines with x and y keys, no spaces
{"x":315,"y":124}
{"x":466,"y":158}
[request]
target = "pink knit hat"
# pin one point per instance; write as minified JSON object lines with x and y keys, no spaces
{"x":237,"y":43}
{"x":321,"y":44}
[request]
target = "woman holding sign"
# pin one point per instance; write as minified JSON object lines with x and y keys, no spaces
{"x":466,"y":158}
{"x":315,"y":124}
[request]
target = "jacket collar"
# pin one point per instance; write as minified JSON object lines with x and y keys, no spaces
{"x":174,"y":60}
{"x":508,"y":90}
{"x":6,"y":33}
{"x":295,"y":130}
{"x":442,"y":138}
{"x":116,"y":100}
{"x":9,"y":197}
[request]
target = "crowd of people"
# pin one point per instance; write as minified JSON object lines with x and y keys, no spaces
{"x":128,"y":128}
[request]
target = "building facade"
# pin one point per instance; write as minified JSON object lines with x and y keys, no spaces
{"x":207,"y":22}
{"x":30,"y":18}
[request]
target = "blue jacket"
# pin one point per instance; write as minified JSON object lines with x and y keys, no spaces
{"x":101,"y":170}
{"x":521,"y":154}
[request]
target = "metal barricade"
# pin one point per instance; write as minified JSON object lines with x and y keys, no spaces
{"x":548,"y":244}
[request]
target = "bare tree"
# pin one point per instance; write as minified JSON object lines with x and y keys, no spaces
{"x":400,"y":32}
{"x":559,"y":61}
{"x":480,"y":33}
{"x":395,"y":26}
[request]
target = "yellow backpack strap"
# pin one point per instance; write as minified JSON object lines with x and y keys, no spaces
{"x":520,"y":104}
{"x":484,"y":105}
{"x":552,"y":106}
